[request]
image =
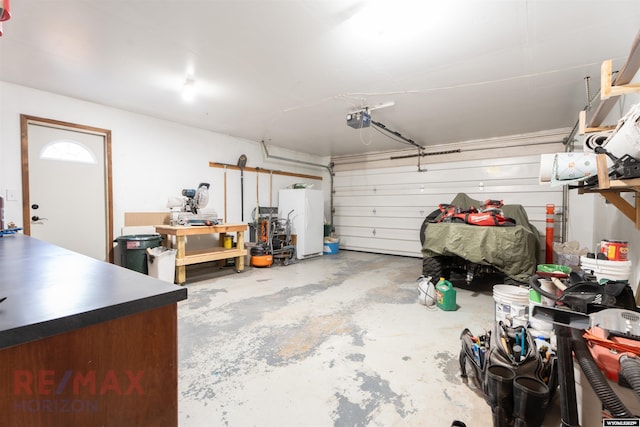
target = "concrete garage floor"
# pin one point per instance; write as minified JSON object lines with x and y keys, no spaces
{"x":337,"y":340}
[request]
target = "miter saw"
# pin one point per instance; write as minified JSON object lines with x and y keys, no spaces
{"x":191,"y":204}
{"x":196,"y":199}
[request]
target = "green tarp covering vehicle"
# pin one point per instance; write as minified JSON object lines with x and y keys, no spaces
{"x":471,"y":249}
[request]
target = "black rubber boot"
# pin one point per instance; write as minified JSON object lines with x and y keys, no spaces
{"x":500,"y":394}
{"x":530,"y":400}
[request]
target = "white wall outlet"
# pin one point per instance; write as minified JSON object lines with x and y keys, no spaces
{"x":12,"y":195}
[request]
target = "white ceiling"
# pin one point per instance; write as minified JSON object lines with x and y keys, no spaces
{"x":288,"y":72}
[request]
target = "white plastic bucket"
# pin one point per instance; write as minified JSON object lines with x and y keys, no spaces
{"x":541,"y":326}
{"x":604,"y":269}
{"x":604,"y":275}
{"x":511,"y":304}
{"x":161,"y":263}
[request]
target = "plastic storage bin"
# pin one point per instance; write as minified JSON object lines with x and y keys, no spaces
{"x":161,"y":263}
{"x":133,"y":250}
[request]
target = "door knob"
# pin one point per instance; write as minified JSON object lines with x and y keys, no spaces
{"x":36,"y":218}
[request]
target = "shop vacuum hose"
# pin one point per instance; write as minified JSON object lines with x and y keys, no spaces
{"x":597,"y":380}
{"x":631,"y":370}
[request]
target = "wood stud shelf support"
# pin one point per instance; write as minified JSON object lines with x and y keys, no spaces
{"x":611,"y":88}
{"x":611,"y":189}
{"x":608,"y":89}
{"x":582,"y":125}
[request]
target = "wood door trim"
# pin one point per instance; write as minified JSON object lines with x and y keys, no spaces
{"x":25,"y":121}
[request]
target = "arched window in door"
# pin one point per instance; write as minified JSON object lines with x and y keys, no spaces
{"x":67,"y":151}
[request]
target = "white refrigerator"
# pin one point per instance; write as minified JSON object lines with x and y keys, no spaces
{"x":307,"y":219}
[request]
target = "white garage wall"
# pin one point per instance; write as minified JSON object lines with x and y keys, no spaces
{"x":260,"y":189}
{"x":596,"y":220}
{"x":382,"y":209}
{"x":152,"y":159}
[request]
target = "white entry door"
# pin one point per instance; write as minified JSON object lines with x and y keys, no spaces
{"x":67,"y":197}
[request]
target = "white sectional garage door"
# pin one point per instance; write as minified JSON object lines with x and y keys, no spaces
{"x":382,"y":210}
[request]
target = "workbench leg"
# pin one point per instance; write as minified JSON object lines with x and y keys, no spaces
{"x":181,"y":270}
{"x":223,"y":262}
{"x":240,"y":245}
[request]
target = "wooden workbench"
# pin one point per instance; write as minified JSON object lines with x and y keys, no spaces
{"x":84,"y":342}
{"x":184,"y":258}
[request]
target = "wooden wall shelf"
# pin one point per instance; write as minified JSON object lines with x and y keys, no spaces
{"x":611,"y":189}
{"x":608,"y":89}
{"x":584,"y":129}
{"x":611,"y":88}
{"x":624,"y":76}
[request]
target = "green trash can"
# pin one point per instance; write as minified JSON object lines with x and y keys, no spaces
{"x":133,"y":250}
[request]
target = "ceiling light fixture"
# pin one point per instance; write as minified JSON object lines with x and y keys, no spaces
{"x":189,"y":89}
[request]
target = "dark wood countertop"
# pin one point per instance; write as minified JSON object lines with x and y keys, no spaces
{"x":51,"y":290}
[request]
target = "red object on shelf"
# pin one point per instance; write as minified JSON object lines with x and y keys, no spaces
{"x":5,"y":10}
{"x":549,"y":234}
